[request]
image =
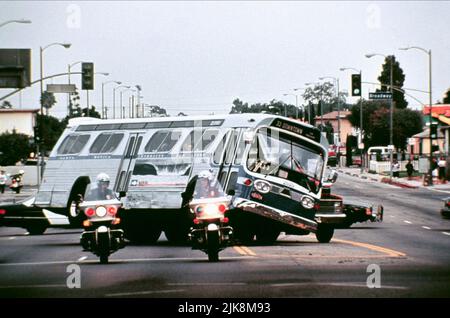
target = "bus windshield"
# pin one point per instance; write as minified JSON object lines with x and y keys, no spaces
{"x":281,"y":155}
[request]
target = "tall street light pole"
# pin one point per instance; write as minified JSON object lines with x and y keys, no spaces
{"x":114,"y":98}
{"x":103,"y":96}
{"x":122,"y":110}
{"x":320,"y":102}
{"x":87,"y":92}
{"x":360,"y":109}
{"x":41,"y":51}
{"x":69,"y":68}
{"x":296,"y":104}
{"x":430,"y":170}
{"x":391,"y":62}
{"x":336,"y":86}
{"x":14,"y":21}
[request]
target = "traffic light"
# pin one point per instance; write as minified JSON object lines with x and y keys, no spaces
{"x":356,"y":84}
{"x":87,"y":76}
{"x":433,"y":131}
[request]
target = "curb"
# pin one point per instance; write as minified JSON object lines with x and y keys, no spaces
{"x":382,"y":180}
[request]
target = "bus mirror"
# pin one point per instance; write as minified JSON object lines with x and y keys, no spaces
{"x":333,"y":176}
{"x":122,"y":194}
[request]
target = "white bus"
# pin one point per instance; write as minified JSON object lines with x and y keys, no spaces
{"x":151,"y":160}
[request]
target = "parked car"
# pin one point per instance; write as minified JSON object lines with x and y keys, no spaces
{"x":445,"y":211}
{"x":24,"y":214}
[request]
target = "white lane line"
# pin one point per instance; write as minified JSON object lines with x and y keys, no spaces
{"x":32,"y":286}
{"x":446,"y":233}
{"x":344,"y":284}
{"x":130,"y":260}
{"x":426,"y":227}
{"x":82,"y":258}
{"x":391,"y":216}
{"x":407,"y":222}
{"x":207,"y":284}
{"x":146,"y":292}
{"x":12,"y":238}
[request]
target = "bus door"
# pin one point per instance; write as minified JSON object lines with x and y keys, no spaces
{"x":128,"y":161}
{"x":228,"y":172}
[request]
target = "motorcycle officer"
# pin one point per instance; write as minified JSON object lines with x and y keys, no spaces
{"x":102,"y":191}
{"x":3,"y":179}
{"x":204,"y":187}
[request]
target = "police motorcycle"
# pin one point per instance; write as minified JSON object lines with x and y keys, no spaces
{"x":208,"y":206}
{"x":16,"y":181}
{"x":101,"y":234}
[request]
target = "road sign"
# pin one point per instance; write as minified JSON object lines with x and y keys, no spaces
{"x":61,"y":88}
{"x":380,"y":95}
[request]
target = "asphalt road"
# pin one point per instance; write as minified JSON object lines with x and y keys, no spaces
{"x":410,"y":249}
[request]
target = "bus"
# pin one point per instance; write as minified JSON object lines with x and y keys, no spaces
{"x":271,"y":166}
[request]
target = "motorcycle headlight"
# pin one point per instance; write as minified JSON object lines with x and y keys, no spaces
{"x":210,"y":209}
{"x":262,"y":186}
{"x":100,"y":211}
{"x":307,"y":202}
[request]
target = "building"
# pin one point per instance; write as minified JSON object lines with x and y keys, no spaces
{"x":332,"y":118}
{"x":21,"y":120}
{"x":419,"y":144}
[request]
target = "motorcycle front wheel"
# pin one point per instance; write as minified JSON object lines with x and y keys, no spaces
{"x":213,"y":246}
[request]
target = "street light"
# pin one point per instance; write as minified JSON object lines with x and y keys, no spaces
{"x":41,"y":51}
{"x":296,"y":105}
{"x":103,"y":95}
{"x":430,"y":171}
{"x":391,"y":106}
{"x":336,"y":82}
{"x":87,"y":92}
{"x":320,"y":102}
{"x":15,"y":21}
{"x":122,"y":110}
{"x":114,"y":98}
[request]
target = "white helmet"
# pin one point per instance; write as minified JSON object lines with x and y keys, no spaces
{"x":102,"y":177}
{"x":21,"y":172}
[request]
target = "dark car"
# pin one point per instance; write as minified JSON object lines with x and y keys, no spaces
{"x":24,"y":214}
{"x":357,"y":210}
{"x":445,"y":211}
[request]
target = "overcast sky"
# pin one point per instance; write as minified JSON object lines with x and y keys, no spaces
{"x":197,"y":57}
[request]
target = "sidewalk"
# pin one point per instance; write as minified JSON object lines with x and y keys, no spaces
{"x":417,"y":182}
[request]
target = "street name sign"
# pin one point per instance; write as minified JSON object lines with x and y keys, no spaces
{"x":380,"y":95}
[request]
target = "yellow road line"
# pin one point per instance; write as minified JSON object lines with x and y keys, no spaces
{"x":239,"y":250}
{"x":248,"y":251}
{"x":244,"y":250}
{"x":388,"y":251}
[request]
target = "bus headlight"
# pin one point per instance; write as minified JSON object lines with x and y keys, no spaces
{"x":262,"y":186}
{"x":307,"y":202}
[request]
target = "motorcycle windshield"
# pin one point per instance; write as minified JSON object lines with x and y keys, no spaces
{"x":208,"y":187}
{"x":100,"y":192}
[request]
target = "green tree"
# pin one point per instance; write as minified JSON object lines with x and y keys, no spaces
{"x":47,"y":101}
{"x":406,"y":123}
{"x":14,"y":147}
{"x":398,"y":80}
{"x":239,"y":107}
{"x":49,"y":129}
{"x":446,"y":99}
{"x":369,"y":107}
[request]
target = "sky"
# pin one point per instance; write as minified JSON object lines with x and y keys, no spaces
{"x":197,"y":57}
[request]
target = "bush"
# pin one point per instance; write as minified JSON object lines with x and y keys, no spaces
{"x":14,"y":147}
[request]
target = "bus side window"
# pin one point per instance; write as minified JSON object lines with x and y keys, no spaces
{"x":217,"y":156}
{"x":232,"y":181}
{"x":240,"y":150}
{"x":231,"y":147}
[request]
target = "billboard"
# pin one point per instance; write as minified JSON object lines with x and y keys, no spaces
{"x":15,"y":68}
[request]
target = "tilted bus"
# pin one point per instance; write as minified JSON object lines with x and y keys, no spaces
{"x":271,"y":165}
